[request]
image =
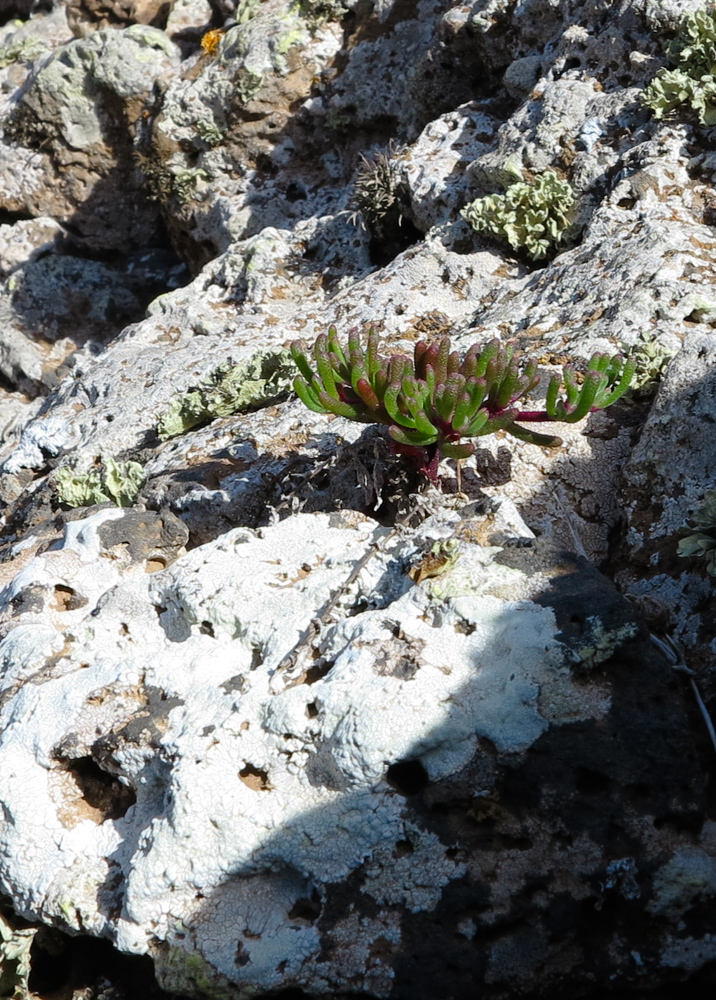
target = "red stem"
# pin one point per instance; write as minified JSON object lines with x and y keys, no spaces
{"x":534,"y":416}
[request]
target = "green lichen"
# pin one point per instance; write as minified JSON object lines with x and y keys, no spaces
{"x":246,"y":10}
{"x":652,"y":359}
{"x":338,"y":121}
{"x":19,"y":946}
{"x":599,"y":643}
{"x":209,"y":131}
{"x":184,"y":181}
{"x":703,"y":541}
{"x":288,"y":38}
{"x":191,"y":975}
{"x":112,"y":482}
{"x":248,"y":85}
{"x":691,"y":84}
{"x":15,"y":945}
{"x":535,"y":217}
{"x":250,"y":385}
{"x":24,"y":50}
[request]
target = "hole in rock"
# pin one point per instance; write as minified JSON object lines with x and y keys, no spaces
{"x":255,"y":778}
{"x":590,"y":782}
{"x":62,"y":966}
{"x":155,"y":564}
{"x":242,"y":956}
{"x":67,"y":599}
{"x":306,"y":909}
{"x":317,"y":672}
{"x":403,"y":847}
{"x":398,"y":233}
{"x":105,"y":794}
{"x":293,"y":993}
{"x":408,"y":777}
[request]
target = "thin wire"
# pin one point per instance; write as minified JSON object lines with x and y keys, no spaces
{"x":675,"y":655}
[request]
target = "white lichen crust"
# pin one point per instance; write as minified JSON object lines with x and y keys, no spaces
{"x":247,"y":781}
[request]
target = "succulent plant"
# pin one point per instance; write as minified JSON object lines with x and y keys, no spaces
{"x":434,"y":400}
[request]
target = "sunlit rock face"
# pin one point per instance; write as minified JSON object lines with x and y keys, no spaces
{"x":292,"y":719}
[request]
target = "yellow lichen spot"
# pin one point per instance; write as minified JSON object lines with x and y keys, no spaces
{"x":210,"y":41}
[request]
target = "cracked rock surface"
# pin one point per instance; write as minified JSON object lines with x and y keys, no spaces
{"x":293,"y":720}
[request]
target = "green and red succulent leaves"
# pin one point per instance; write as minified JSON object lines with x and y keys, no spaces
{"x":435,"y":399}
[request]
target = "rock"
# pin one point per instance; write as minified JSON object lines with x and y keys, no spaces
{"x":84,"y":16}
{"x":348,"y":768}
{"x":25,"y":241}
{"x":55,"y":304}
{"x":661,"y":496}
{"x":188,"y":20}
{"x":76,"y":109}
{"x":236,"y":105}
{"x":294,"y":721}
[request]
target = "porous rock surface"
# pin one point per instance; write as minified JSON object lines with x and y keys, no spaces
{"x":291,"y":721}
{"x":174,"y":778}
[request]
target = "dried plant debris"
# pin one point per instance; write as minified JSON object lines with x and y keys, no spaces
{"x":318,"y":12}
{"x":535,"y":217}
{"x":263,"y":379}
{"x":703,"y":541}
{"x":691,"y":83}
{"x":376,"y":193}
{"x":110,"y":482}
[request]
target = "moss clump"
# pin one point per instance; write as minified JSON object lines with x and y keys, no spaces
{"x":535,"y":217}
{"x":113,"y":482}
{"x":261,"y":380}
{"x":692,"y":82}
{"x":703,"y":541}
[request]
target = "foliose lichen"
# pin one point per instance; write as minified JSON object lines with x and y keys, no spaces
{"x":209,"y":131}
{"x":248,"y":85}
{"x":15,"y":945}
{"x":702,"y":542}
{"x":111,"y":482}
{"x":250,"y":385}
{"x":692,"y":82}
{"x":184,"y":181}
{"x":24,"y":50}
{"x":599,"y":643}
{"x":536,"y":217}
{"x":652,"y":359}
